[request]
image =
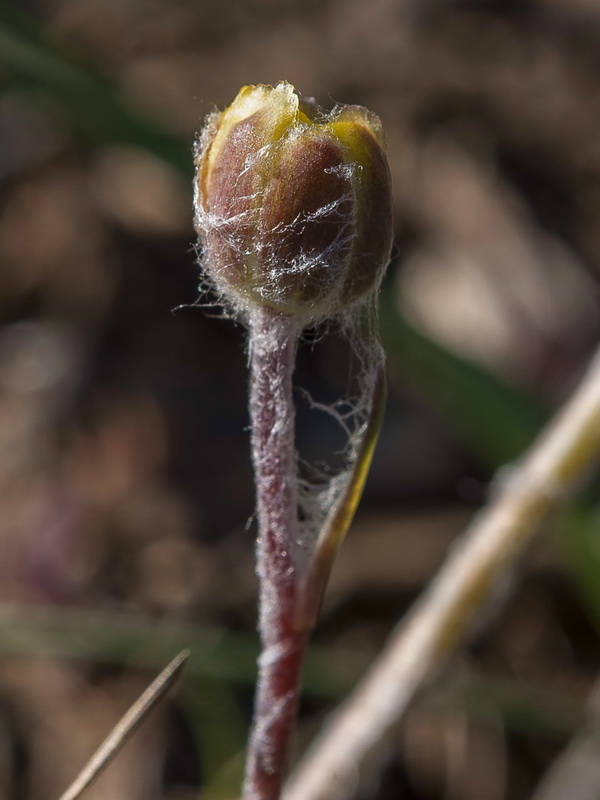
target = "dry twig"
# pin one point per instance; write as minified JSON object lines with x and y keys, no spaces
{"x":125,"y":727}
{"x":350,"y":750}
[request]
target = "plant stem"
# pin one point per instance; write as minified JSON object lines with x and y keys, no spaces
{"x":348,"y":754}
{"x":272,"y":353}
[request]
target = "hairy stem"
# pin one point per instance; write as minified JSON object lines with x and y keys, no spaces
{"x":272,"y":352}
{"x":349,"y":752}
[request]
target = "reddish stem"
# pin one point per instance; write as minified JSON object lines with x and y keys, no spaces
{"x":272,"y":354}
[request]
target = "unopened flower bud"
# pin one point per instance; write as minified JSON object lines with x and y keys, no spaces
{"x":293,"y":207}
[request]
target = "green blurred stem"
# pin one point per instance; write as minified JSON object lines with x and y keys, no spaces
{"x":352,"y":747}
{"x":142,"y":641}
{"x":494,"y":419}
{"x":92,"y":105}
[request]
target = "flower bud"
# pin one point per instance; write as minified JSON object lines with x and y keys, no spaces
{"x":293,"y":207}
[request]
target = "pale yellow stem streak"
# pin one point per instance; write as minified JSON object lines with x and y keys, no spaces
{"x":350,"y":750}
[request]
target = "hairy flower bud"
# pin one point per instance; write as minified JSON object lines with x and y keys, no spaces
{"x":293,"y":207}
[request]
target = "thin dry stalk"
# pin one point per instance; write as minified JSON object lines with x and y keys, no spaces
{"x":125,"y":727}
{"x":349,"y":752}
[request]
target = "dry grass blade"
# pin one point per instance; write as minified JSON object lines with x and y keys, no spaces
{"x":349,"y":752}
{"x":125,"y":727}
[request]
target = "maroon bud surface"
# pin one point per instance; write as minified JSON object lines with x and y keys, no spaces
{"x":293,"y":206}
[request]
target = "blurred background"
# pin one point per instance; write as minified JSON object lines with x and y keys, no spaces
{"x":126,"y":495}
